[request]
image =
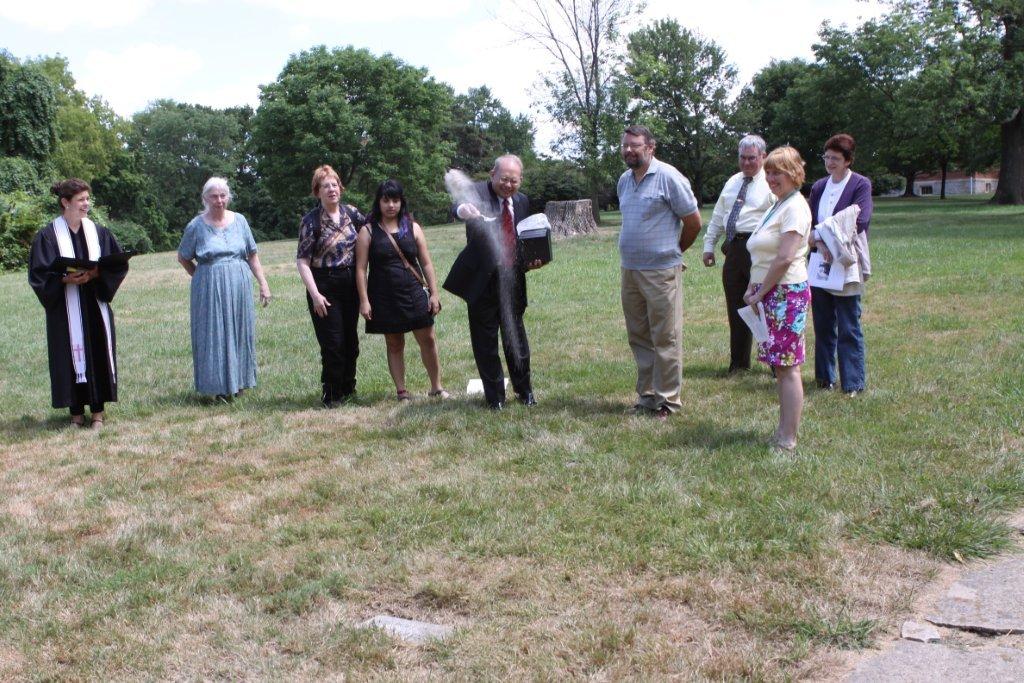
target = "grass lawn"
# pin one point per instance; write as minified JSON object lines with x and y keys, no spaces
{"x":194,"y":541}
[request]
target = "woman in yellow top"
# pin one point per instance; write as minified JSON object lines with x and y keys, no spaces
{"x":778,"y":281}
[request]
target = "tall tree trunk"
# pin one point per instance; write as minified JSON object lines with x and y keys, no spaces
{"x":1011,"y":169}
{"x":909,"y":176}
{"x":595,"y":204}
{"x":1011,"y":133}
{"x":697,"y":186}
{"x":945,"y":170}
{"x":592,"y":165}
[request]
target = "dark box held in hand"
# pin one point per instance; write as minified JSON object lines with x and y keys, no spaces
{"x":534,"y":234}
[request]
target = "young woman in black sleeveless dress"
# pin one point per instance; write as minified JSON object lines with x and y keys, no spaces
{"x":400,"y":294}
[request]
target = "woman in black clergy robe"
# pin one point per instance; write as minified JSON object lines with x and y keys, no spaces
{"x":79,"y":322}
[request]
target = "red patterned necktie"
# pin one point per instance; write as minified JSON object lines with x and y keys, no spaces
{"x":508,"y":234}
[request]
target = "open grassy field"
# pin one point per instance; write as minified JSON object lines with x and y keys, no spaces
{"x":193,"y":541}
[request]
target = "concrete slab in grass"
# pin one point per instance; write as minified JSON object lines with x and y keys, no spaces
{"x":989,"y":600}
{"x":407,"y":629}
{"x":913,"y":662}
{"x":924,"y":633}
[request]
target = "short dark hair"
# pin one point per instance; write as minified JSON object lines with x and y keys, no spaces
{"x":642,"y":131}
{"x":842,"y":143}
{"x":66,"y":189}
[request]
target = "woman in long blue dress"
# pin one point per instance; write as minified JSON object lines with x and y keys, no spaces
{"x":219,"y":252}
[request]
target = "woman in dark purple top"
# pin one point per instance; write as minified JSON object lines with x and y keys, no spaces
{"x":837,"y":332}
{"x":326,"y":259}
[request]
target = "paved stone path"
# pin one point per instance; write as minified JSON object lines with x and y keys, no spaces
{"x":911,"y":662}
{"x":988,"y":600}
{"x":980,"y":619}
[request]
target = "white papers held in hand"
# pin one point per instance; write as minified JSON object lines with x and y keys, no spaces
{"x":830,"y":276}
{"x":756,"y":322}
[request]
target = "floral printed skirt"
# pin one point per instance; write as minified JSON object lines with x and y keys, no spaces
{"x":785,"y":308}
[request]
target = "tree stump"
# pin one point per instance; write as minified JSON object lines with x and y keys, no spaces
{"x":572,"y":218}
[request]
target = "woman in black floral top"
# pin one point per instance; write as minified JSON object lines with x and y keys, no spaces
{"x":326,"y":260}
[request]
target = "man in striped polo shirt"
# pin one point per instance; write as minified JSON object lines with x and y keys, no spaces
{"x":660,"y":221}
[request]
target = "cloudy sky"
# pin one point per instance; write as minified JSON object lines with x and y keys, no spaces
{"x":131,"y":52}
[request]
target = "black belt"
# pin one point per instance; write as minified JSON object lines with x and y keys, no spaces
{"x":329,"y":270}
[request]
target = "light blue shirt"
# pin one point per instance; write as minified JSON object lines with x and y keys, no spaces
{"x":651,"y":210}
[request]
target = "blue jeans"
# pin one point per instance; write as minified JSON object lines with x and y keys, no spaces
{"x":837,"y":332}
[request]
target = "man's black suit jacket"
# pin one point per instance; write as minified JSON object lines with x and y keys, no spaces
{"x":472,"y":273}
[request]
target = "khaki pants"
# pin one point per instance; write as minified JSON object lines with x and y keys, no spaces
{"x":652,"y":301}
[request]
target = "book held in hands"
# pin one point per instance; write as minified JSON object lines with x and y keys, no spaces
{"x":117,"y":261}
{"x":534,"y":233}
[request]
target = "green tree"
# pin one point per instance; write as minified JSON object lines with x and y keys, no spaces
{"x":483,"y":129}
{"x":679,"y":84}
{"x":920,"y":93}
{"x":990,"y":38}
{"x":88,"y":132}
{"x":956,"y":129}
{"x":896,"y":83}
{"x":778,"y":105}
{"x":178,"y":147}
{"x":85,"y":146}
{"x":28,"y":111}
{"x":551,"y":180}
{"x":130,"y":195}
{"x":250,"y":192}
{"x":22,"y":214}
{"x":369,"y":117}
{"x":869,"y":76}
{"x":584,"y":40}
{"x":17,"y":173}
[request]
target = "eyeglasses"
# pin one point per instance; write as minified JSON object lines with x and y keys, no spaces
{"x":634,"y":147}
{"x":510,"y":181}
{"x":832,"y":157}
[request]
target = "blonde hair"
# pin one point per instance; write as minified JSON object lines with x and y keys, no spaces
{"x":787,"y":160}
{"x":320,"y":174}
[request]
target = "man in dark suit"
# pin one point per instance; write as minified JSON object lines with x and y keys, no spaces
{"x":490,"y":275}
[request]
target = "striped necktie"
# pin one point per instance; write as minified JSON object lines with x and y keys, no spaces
{"x":730,"y":223}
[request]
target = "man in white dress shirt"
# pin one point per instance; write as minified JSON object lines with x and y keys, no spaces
{"x":738,"y":212}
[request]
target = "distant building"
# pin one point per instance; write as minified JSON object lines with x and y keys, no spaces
{"x":957,"y":183}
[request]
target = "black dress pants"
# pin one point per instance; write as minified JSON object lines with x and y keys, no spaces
{"x":338,"y":332}
{"x":82,"y":397}
{"x":501,"y":308}
{"x":735,"y":278}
